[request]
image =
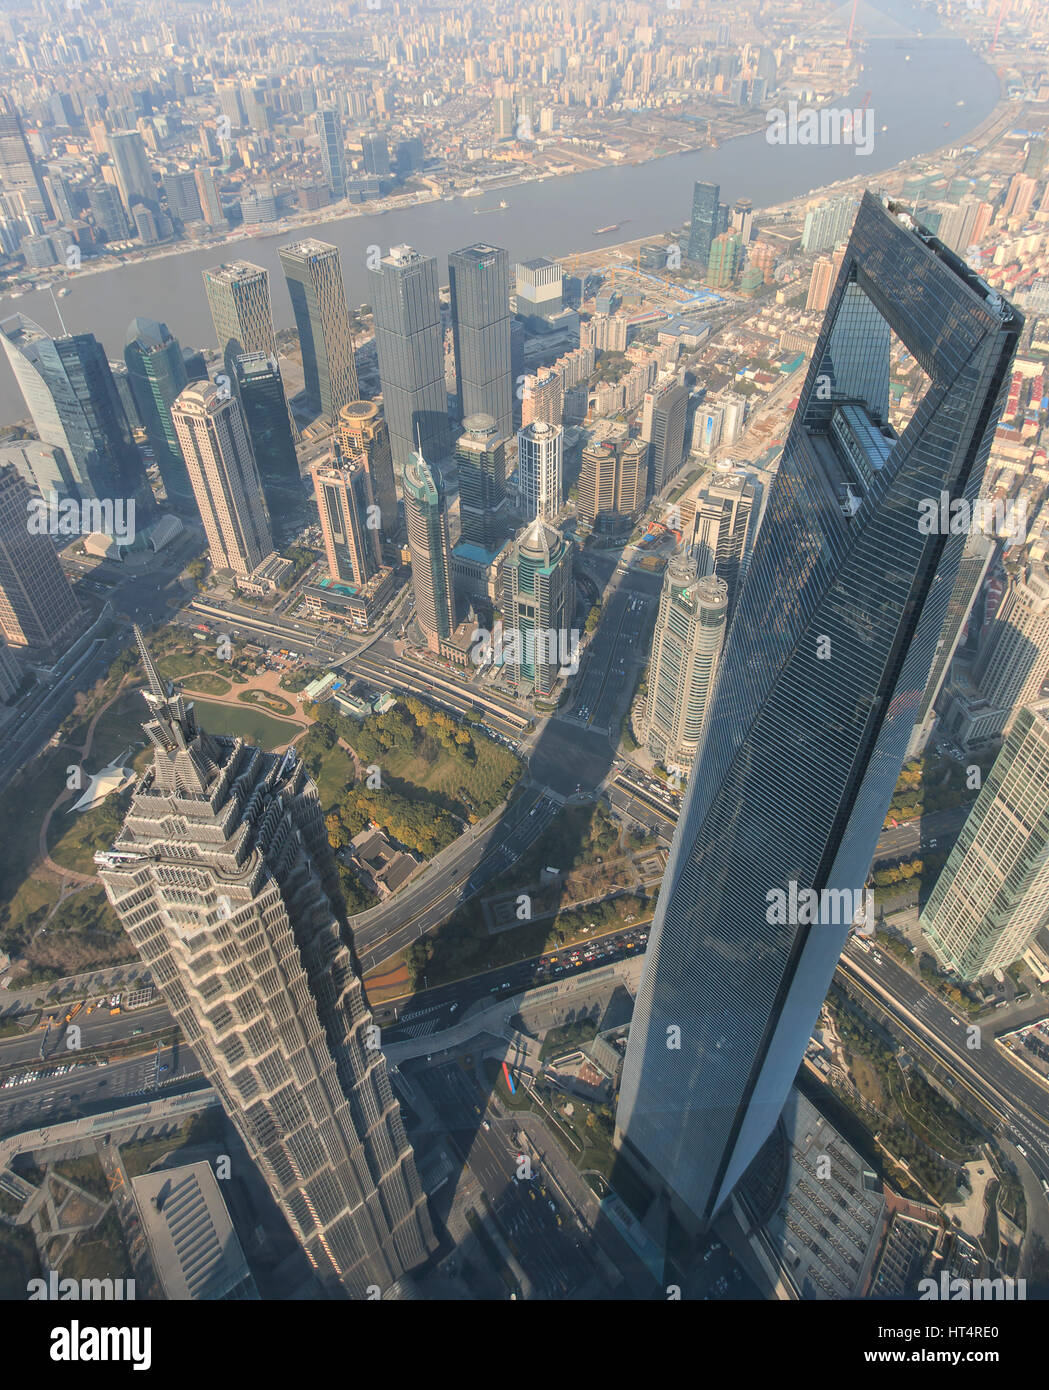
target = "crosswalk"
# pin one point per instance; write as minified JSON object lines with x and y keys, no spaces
{"x":422,"y":1029}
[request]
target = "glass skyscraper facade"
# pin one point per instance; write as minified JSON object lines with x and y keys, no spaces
{"x":410,"y":343}
{"x":333,"y":154}
{"x":993,"y":893}
{"x":480,"y":458}
{"x":426,"y":517}
{"x":239,"y":299}
{"x":260,"y":387}
{"x":479,"y":282}
{"x":318,"y":297}
{"x":821,"y":679}
{"x":703,"y":227}
{"x":71,"y":395}
{"x":157,"y":375}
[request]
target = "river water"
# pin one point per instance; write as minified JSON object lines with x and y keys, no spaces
{"x":914,"y":90}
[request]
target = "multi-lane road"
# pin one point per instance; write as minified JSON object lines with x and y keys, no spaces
{"x":1018,"y":1099}
{"x":91,"y":1086}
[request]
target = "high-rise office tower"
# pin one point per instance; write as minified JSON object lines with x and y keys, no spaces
{"x":703,"y":227}
{"x":663,"y":429}
{"x":71,"y":395}
{"x":131,"y":165}
{"x":260,"y":388}
{"x":480,"y":458}
{"x":348,"y":520}
{"x":157,"y":376}
{"x":821,"y":282}
{"x":1019,"y":198}
{"x":1011,"y":665}
{"x":410,"y":345}
{"x":39,"y":252}
{"x":122,"y":381}
{"x":375,"y":150}
{"x":333,"y":152}
{"x":183,"y":197}
{"x":1014,"y":663}
{"x":19,"y":172}
{"x":540,"y":469}
{"x":721,"y":530}
{"x":426,"y":516}
{"x":964,"y":225}
{"x":503,"y":116}
{"x":147,"y":226}
{"x":38,"y":612}
{"x":232,"y":105}
{"x":724,"y":261}
{"x":613,"y":483}
{"x":363,"y":435}
{"x":214,"y":442}
{"x":993,"y":893}
{"x":60,"y":194}
{"x":108,"y":212}
{"x":239,"y":299}
{"x":827,"y":224}
{"x":208,"y":193}
{"x":542,"y":398}
{"x":223,"y":878}
{"x":972,"y":570}
{"x":686,"y":648}
{"x":479,"y":281}
{"x":538,"y":598}
{"x":314,"y":275}
{"x":410,"y":155}
{"x":820,"y":680}
{"x":539,"y":288}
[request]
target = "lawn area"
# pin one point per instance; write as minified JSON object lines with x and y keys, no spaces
{"x":118,"y":729}
{"x":84,"y":934}
{"x":266,"y":699}
{"x":86,"y":1172}
{"x":208,"y":684}
{"x":567,"y":1038}
{"x":75,"y":836}
{"x":475,"y":787}
{"x":22,"y":811}
{"x":334,"y":773}
{"x":252,"y":724}
{"x":99,"y":1253}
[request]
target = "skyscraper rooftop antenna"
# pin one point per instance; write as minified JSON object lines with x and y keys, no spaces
{"x":156,"y":684}
{"x":58,"y":311}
